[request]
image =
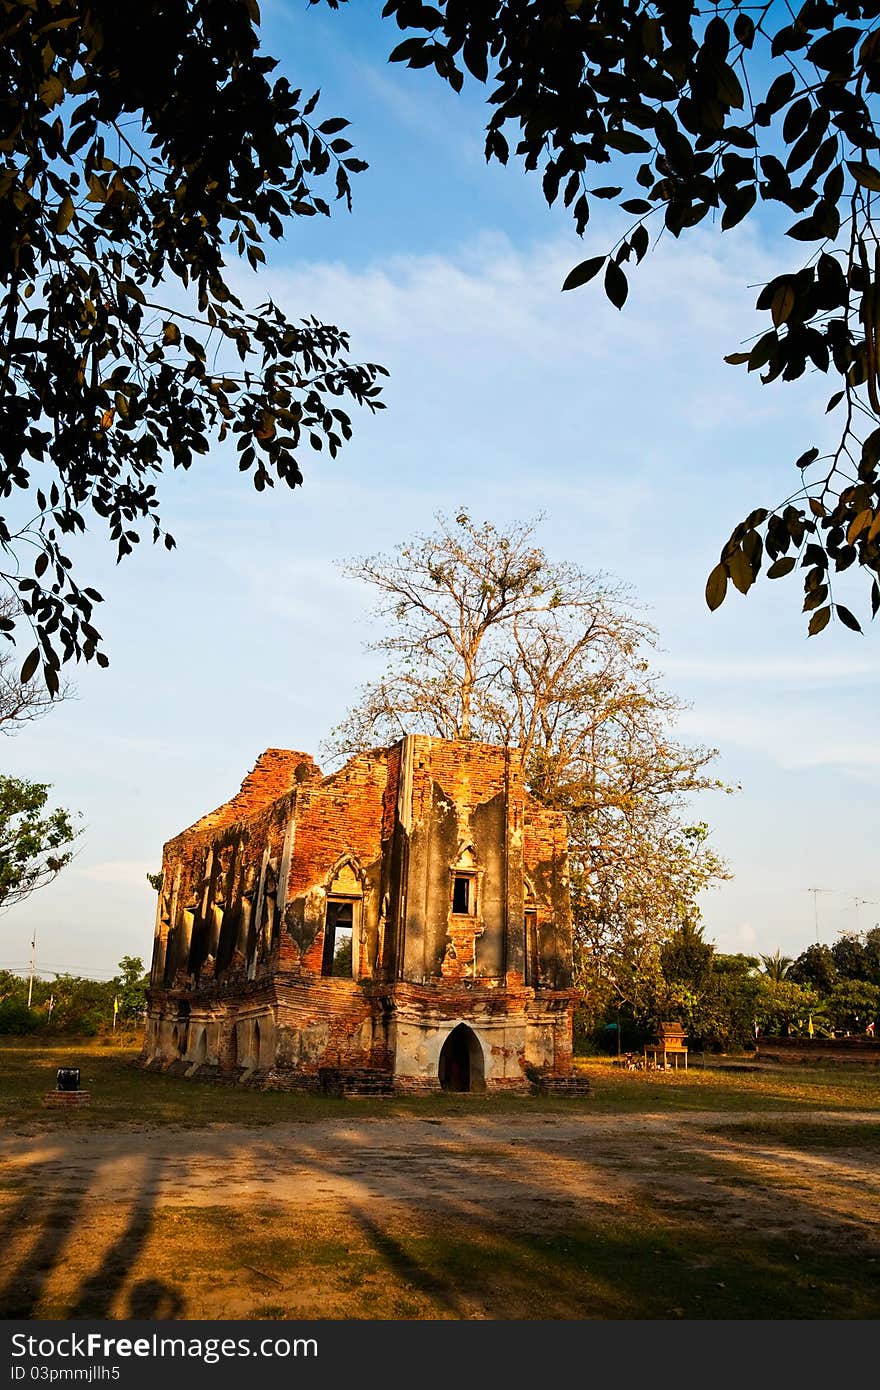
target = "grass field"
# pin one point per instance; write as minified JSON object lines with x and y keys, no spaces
{"x":707,"y":1194}
{"x":121,"y":1093}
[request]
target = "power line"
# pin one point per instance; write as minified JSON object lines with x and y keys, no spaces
{"x":22,"y":968}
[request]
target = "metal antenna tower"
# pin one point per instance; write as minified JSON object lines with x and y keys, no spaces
{"x":815,"y":892}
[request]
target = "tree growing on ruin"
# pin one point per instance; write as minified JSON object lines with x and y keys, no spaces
{"x":146,"y":148}
{"x":486,"y":637}
{"x":679,"y":113}
{"x":36,"y":841}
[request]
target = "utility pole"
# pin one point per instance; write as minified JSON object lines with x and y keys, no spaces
{"x":862,"y":902}
{"x":815,"y":892}
{"x":33,"y":962}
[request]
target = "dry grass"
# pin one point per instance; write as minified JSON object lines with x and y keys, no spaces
{"x":711,"y":1194}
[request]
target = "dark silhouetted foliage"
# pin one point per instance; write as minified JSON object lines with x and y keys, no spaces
{"x":681,"y":112}
{"x":142,"y":145}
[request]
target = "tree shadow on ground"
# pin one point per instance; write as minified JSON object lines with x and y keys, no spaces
{"x":59,"y":1219}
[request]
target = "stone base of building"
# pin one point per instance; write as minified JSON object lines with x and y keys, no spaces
{"x":575,"y":1085}
{"x":341,"y":1038}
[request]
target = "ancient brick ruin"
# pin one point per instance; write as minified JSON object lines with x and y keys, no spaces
{"x":403,"y":924}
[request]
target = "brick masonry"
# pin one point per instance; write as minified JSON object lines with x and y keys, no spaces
{"x":467,"y":986}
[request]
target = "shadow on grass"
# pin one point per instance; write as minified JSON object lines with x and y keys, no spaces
{"x":442,"y":1223}
{"x":61,"y":1222}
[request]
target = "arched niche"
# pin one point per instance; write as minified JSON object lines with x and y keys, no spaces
{"x":461,"y":1066}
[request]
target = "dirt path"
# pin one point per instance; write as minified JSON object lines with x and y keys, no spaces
{"x":87,"y":1216}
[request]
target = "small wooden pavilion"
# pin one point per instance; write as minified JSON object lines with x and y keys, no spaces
{"x":669,"y":1047}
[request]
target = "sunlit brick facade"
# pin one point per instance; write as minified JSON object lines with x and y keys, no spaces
{"x":403,"y":924}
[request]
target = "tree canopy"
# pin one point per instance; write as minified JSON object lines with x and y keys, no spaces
{"x":73,"y":1004}
{"x":20,"y":702}
{"x":681,"y":112}
{"x":143,"y":148}
{"x":35,"y":841}
{"x":487,"y":637}
{"x":727,"y":1001}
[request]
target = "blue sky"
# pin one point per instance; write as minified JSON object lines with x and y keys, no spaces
{"x":626,"y":430}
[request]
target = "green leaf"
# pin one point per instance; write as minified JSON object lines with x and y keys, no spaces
{"x":805,"y":230}
{"x":584,"y":272}
{"x":819,"y":620}
{"x":781,"y":90}
{"x":739,"y":206}
{"x":716,"y":587}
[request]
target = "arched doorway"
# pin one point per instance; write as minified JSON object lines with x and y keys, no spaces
{"x":461,"y":1061}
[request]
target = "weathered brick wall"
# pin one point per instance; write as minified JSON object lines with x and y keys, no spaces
{"x":212,"y":871}
{"x":244,"y":901}
{"x":545,"y":855}
{"x":327,"y":1022}
{"x":459,"y":803}
{"x":338,"y":818}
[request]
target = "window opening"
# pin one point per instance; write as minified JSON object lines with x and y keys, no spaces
{"x":530,"y":924}
{"x":338,"y":927}
{"x":463,"y":895}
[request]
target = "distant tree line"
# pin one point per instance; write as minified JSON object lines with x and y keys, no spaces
{"x":73,"y":1004}
{"x":727,"y":1001}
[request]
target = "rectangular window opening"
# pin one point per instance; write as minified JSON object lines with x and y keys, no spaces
{"x":338,"y":928}
{"x":463,"y":895}
{"x":530,"y":924}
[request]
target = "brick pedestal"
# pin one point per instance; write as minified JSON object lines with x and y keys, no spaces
{"x":67,"y":1100}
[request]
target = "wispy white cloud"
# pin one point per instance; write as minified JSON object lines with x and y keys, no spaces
{"x":118,"y":872}
{"x":794,"y":738}
{"x":628,"y":430}
{"x":805,"y":673}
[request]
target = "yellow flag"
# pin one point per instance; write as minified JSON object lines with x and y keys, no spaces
{"x":810,"y":1026}
{"x":115,"y":1006}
